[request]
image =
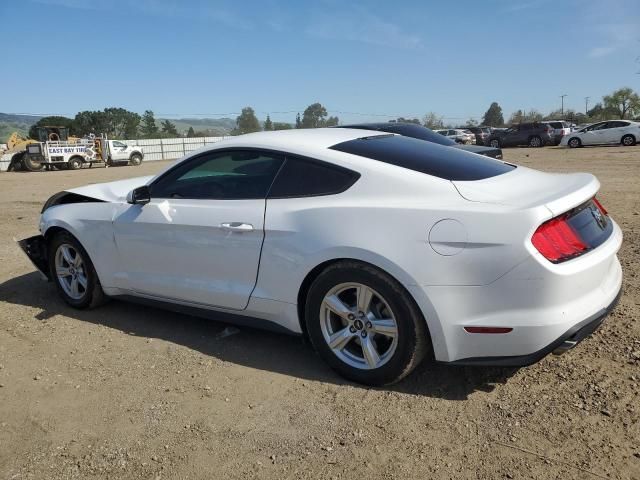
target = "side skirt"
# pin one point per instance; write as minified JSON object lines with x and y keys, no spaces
{"x":218,"y":316}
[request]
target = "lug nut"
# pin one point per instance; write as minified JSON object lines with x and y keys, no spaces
{"x":352,"y":329}
{"x":350,"y":316}
{"x":363,"y":334}
{"x":369,"y":325}
{"x":361,"y":314}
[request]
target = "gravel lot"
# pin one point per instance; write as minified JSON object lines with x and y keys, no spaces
{"x":127,"y":391}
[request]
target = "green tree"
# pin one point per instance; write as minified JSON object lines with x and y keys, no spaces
{"x":623,"y":101}
{"x":298,"y":121}
{"x":493,"y":116}
{"x":282,"y":126}
{"x":315,"y":116}
{"x":247,"y":122}
{"x":268,"y":124}
{"x":407,"y":120}
{"x":472,"y":122}
{"x":191,"y":133}
{"x":88,"y":122}
{"x":432,"y":121}
{"x":148,"y":128}
{"x":114,"y":122}
{"x":169,"y":128}
{"x":53,"y":121}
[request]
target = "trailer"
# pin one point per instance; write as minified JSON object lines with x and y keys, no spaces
{"x":55,"y":150}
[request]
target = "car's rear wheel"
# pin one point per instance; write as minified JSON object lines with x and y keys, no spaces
{"x":73,"y":273}
{"x":535,"y":142}
{"x":574,"y":142}
{"x":135,"y":160}
{"x":495,"y":143}
{"x":364,"y":324}
{"x":74,"y":163}
{"x":628,"y":140}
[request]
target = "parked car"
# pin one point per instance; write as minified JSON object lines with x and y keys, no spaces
{"x":623,"y":132}
{"x":531,"y":134}
{"x":424,"y":133}
{"x":560,"y":129}
{"x":381,"y":249}
{"x":481,"y":133}
{"x":459,"y":135}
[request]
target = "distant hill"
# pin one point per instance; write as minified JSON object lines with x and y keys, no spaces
{"x":10,"y":123}
{"x":15,"y":123}
{"x":212,"y":126}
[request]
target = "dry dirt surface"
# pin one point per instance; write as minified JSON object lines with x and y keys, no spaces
{"x":126,"y":391}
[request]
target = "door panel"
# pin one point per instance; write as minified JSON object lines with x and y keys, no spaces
{"x":180,"y":249}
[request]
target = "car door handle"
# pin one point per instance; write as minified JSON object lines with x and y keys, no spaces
{"x":237,"y":227}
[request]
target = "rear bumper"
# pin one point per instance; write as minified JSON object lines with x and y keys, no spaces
{"x":563,"y":344}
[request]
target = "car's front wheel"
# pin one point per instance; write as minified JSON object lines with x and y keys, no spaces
{"x":364,"y":324}
{"x":73,"y":273}
{"x":495,"y":143}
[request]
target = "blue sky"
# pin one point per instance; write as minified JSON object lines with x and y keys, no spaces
{"x":370,"y":58}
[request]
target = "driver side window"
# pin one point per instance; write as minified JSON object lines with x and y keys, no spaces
{"x":230,"y":175}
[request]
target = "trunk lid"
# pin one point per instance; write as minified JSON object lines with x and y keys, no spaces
{"x":525,"y":188}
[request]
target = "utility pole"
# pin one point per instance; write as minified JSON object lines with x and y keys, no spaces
{"x":586,"y":105}
{"x":562,"y":106}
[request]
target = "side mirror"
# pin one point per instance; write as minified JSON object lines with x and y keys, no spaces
{"x":139,"y":196}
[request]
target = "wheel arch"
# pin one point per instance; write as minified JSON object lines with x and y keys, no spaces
{"x":59,"y":226}
{"x":433,"y":328}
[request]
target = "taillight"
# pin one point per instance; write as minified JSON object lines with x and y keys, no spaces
{"x":557,"y":240}
{"x":600,"y":207}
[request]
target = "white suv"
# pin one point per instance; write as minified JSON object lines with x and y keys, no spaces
{"x":459,"y":135}
{"x":560,"y":129}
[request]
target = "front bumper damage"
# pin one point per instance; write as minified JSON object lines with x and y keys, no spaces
{"x":35,"y":248}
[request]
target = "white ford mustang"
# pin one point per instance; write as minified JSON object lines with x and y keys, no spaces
{"x":382,"y":249}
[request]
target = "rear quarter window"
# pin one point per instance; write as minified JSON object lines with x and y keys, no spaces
{"x":301,"y":177}
{"x":449,"y":163}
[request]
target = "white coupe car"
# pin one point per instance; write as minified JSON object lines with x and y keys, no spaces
{"x":616,"y":132}
{"x":382,"y":249}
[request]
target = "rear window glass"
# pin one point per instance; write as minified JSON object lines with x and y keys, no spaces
{"x":556,"y":124}
{"x":420,"y":132}
{"x":438,"y":161}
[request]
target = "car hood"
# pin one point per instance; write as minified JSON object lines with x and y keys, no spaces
{"x":524,"y":187}
{"x":111,"y":191}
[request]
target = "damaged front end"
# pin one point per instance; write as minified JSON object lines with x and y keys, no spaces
{"x":35,"y":248}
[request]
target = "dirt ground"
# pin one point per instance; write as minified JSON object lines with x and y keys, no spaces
{"x":126,"y":391}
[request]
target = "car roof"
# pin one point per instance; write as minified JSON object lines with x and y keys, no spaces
{"x":311,"y":138}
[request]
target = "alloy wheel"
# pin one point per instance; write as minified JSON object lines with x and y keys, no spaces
{"x":358,"y":326}
{"x":70,"y":271}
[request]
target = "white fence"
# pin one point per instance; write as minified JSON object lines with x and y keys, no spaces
{"x":171,"y":148}
{"x":153,"y":148}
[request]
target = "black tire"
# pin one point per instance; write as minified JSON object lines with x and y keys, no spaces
{"x":16,"y":163}
{"x":74,"y":163}
{"x":574,"y":142}
{"x":30,"y":164}
{"x":413,"y":341}
{"x":535,"y":142}
{"x":93,"y":295}
{"x":495,"y":143}
{"x":135,"y":160}
{"x":628,"y":140}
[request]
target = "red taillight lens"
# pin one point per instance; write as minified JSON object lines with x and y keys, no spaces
{"x":600,"y":207}
{"x":557,"y":241}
